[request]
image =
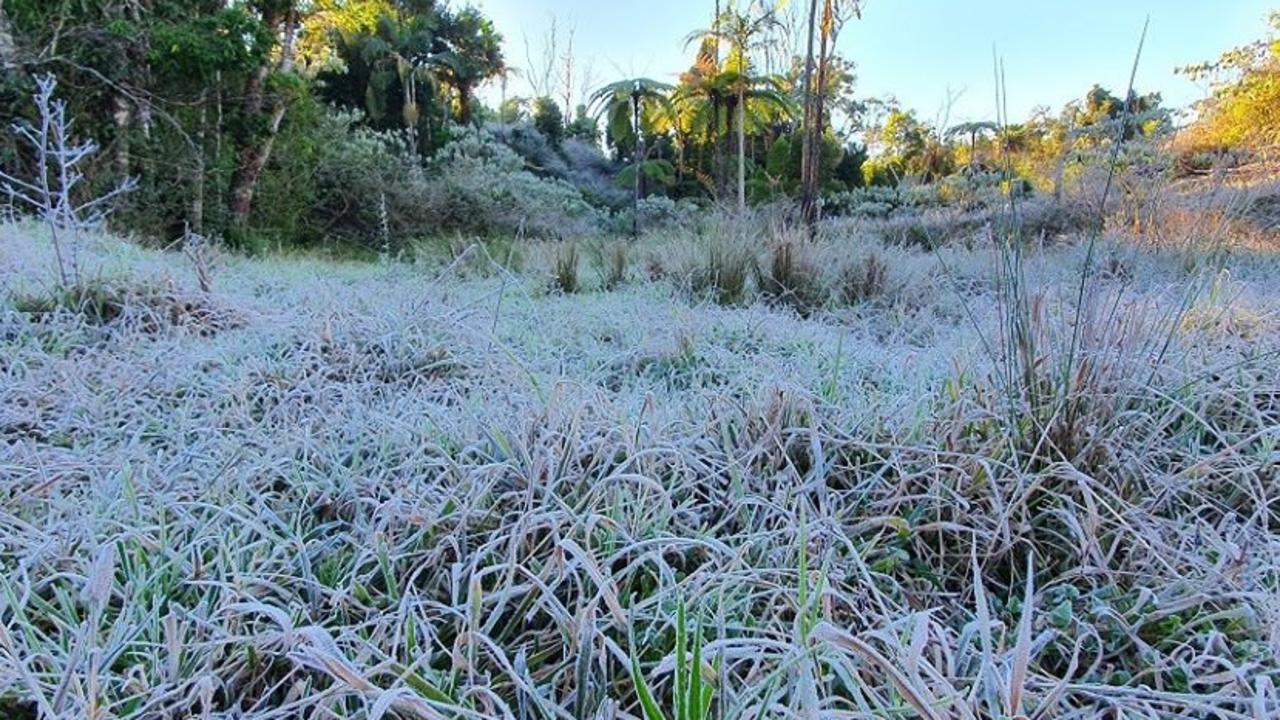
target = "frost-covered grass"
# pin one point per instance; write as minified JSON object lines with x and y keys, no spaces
{"x":341,"y":490}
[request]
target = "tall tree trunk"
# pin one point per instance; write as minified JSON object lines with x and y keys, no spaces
{"x":717,"y":147}
{"x":816,"y":128}
{"x":122,"y":116}
{"x":808,"y":196}
{"x":256,"y":151}
{"x":568,"y":81}
{"x":742,"y":152}
{"x":726,"y":148}
{"x":8,"y":49}
{"x":820,"y":96}
{"x":219,"y":125}
{"x":195,"y":218}
{"x":464,"y":104}
{"x":635,"y":208}
{"x":249,"y":158}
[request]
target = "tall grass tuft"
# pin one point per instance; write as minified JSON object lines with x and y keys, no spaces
{"x":724,"y":275}
{"x":564,"y":276}
{"x":862,"y":279}
{"x":792,"y":278}
{"x":614,"y":266}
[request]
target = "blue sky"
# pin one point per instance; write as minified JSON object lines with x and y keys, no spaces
{"x":923,"y":51}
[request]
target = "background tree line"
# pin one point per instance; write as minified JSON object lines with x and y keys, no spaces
{"x":305,"y":121}
{"x":200,"y":98}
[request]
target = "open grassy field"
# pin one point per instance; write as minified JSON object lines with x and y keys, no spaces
{"x":871,"y":482}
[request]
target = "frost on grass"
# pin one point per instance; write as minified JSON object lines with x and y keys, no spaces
{"x":386,"y":490}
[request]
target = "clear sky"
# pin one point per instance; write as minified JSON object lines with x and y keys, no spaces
{"x":923,"y":51}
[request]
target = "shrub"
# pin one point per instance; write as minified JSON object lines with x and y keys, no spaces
{"x":1046,"y":220}
{"x":593,"y":174}
{"x":579,"y":163}
{"x":660,"y":214}
{"x":365,"y":186}
{"x":368,"y":188}
{"x":55,"y":195}
{"x":963,"y":191}
{"x":549,"y":120}
{"x":481,"y":186}
{"x":150,"y":308}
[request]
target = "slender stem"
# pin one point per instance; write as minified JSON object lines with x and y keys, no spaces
{"x":635,"y":215}
{"x":742,"y":151}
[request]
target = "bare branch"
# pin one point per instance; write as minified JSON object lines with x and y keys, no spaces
{"x":49,"y":193}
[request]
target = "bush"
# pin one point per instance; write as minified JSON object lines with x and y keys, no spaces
{"x":351,"y":185}
{"x":364,"y":186}
{"x":660,"y":214}
{"x":478,"y":185}
{"x":578,"y":163}
{"x":965,"y":191}
{"x":593,"y":174}
{"x":548,"y":119}
{"x":115,"y":304}
{"x":868,"y":202}
{"x":613,"y":265}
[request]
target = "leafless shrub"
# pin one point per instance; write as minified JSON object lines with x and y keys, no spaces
{"x":52,"y":194}
{"x":201,"y":252}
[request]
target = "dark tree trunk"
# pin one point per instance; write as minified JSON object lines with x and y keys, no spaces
{"x":255,"y":151}
{"x":717,"y":148}
{"x":808,"y":194}
{"x":249,"y":157}
{"x":464,"y":105}
{"x":814,"y":131}
{"x":726,"y":147}
{"x":820,"y":100}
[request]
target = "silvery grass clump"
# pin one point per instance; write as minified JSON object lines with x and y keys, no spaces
{"x":383,"y":497}
{"x":50,"y":192}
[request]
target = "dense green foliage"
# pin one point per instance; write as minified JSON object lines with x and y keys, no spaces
{"x":222,"y":109}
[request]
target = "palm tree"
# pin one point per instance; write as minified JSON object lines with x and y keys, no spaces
{"x":399,"y":50}
{"x":474,"y":56}
{"x":623,"y":104}
{"x":974,"y":130}
{"x":735,"y":80}
{"x":700,"y":98}
{"x":757,"y":102}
